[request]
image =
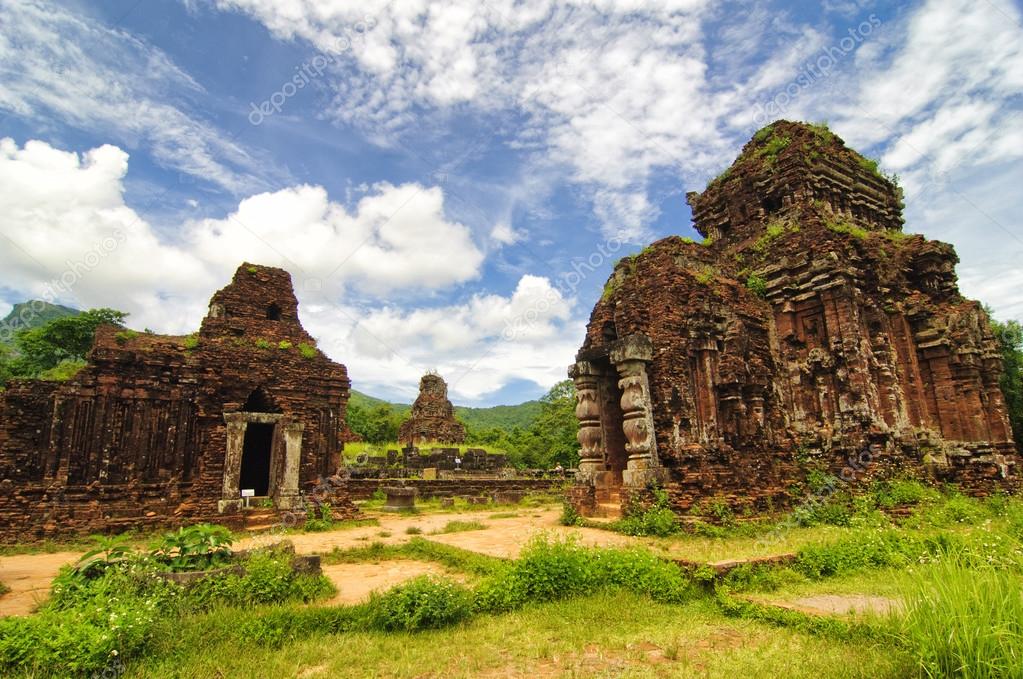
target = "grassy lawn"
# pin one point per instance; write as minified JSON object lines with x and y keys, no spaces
{"x":952,"y":565}
{"x":568,"y":638}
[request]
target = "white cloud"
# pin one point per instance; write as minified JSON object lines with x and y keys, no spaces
{"x":479,"y":345}
{"x":944,"y":92}
{"x":63,"y":66}
{"x":61,"y":209}
{"x":68,"y":237}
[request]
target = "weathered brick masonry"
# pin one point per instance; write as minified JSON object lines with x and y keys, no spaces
{"x":807,"y":330}
{"x":161,"y":430}
{"x":432,"y":417}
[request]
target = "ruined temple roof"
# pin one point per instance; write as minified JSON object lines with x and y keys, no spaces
{"x":788,"y":167}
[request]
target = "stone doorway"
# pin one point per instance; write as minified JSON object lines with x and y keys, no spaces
{"x":257,"y":454}
{"x":264,"y":449}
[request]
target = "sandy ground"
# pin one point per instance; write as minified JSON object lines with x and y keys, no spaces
{"x":29,"y":575}
{"x":356,"y":581}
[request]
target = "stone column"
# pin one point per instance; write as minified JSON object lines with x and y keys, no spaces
{"x":236,"y":426}
{"x":287,"y":493}
{"x":587,"y":411}
{"x":630,"y":356}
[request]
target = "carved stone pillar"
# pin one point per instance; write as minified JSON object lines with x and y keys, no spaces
{"x":287,"y":493}
{"x":630,"y":356}
{"x":237,"y":423}
{"x":587,"y":411}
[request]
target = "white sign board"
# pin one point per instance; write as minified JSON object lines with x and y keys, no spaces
{"x":248,"y":492}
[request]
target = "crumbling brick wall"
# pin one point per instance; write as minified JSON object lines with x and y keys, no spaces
{"x":139,"y":436}
{"x":432,"y":417}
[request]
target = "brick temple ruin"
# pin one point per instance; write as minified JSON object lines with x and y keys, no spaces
{"x":432,"y":419}
{"x":807,"y":332}
{"x":159,"y":429}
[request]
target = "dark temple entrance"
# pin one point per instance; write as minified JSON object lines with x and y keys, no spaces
{"x":255,"y":473}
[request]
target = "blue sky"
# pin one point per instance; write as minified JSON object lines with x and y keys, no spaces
{"x":450,"y":183}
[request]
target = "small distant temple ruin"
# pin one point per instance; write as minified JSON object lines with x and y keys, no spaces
{"x":432,"y":419}
{"x":807,"y":332}
{"x":159,"y":429}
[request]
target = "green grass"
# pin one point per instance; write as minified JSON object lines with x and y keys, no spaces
{"x":565,"y":638}
{"x":963,"y":622}
{"x":353,"y":450}
{"x":454,"y":558}
{"x":955,"y":560}
{"x":4,"y":589}
{"x":460,"y":527}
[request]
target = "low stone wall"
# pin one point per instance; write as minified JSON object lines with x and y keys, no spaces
{"x":363,"y":489}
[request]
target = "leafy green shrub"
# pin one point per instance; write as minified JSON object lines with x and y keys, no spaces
{"x":569,"y":515}
{"x":960,"y":622}
{"x":63,"y":371}
{"x":319,"y":518}
{"x":832,"y":512}
{"x":547,"y":571}
{"x":422,"y":603}
{"x":900,"y":492}
{"x":284,"y":345}
{"x":194,"y":548}
{"x":641,"y":571}
{"x":263,"y":344}
{"x":757,"y":285}
{"x":962,"y":509}
{"x":658,"y":520}
{"x":307,"y":350}
{"x":863,"y":549}
{"x":191,"y":342}
{"x":753,"y":578}
{"x":108,"y":552}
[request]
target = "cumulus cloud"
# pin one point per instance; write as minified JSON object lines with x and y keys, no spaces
{"x":69,"y":237}
{"x":478,"y":345}
{"x":65,"y":213}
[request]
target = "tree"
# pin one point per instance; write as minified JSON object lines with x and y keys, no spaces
{"x":556,"y":426}
{"x":6,"y":364}
{"x":66,"y":339}
{"x":1010,"y":342}
{"x":377,"y":424}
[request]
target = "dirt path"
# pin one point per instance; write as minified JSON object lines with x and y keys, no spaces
{"x":356,"y":581}
{"x":29,"y":575}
